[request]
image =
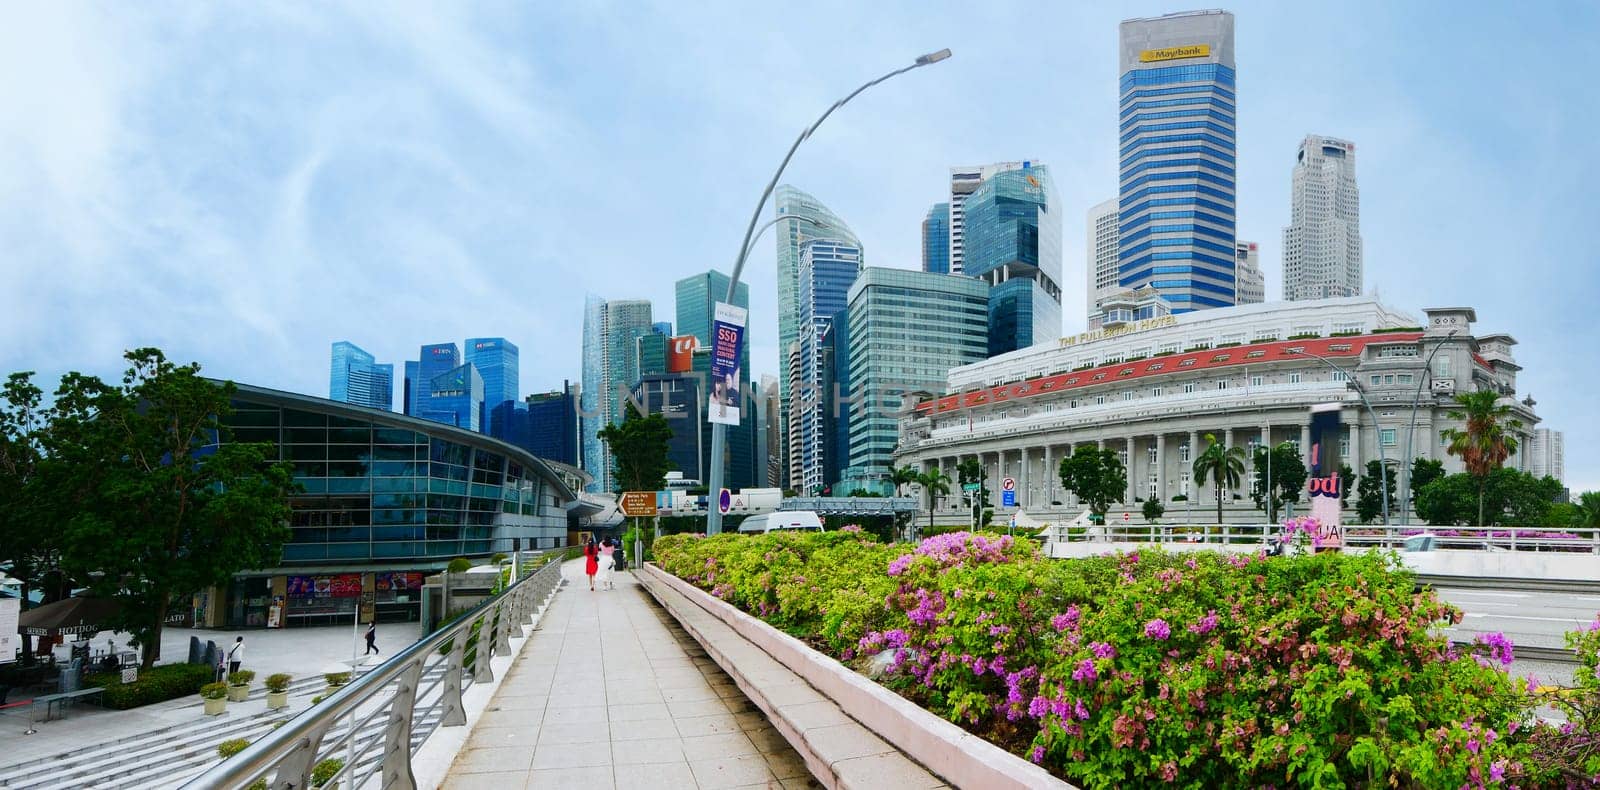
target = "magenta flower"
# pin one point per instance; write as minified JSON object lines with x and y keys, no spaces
{"x":1080,"y":711}
{"x":1499,"y":646}
{"x":1157,"y":629}
{"x":1103,"y":650}
{"x":1085,"y":671}
{"x":1037,"y":755}
{"x":1206,"y":623}
{"x":1066,"y":620}
{"x":899,"y":564}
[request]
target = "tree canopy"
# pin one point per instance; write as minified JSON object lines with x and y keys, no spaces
{"x":1096,"y":476}
{"x":1486,"y":441}
{"x":1223,"y":466}
{"x":1368,"y":500}
{"x":1508,"y":497}
{"x":639,"y":450}
{"x":1288,"y":479}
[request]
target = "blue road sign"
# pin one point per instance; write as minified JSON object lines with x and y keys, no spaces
{"x":1008,"y":498}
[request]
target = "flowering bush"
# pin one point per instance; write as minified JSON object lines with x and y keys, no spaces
{"x":1200,"y":669}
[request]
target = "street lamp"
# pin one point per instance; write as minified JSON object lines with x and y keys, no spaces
{"x":1383,"y":462}
{"x":819,"y":225}
{"x":719,"y":431}
{"x":1406,"y":461}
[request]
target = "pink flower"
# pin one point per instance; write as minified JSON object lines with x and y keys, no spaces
{"x":1103,"y":650}
{"x":1499,"y":646}
{"x":1157,"y":629}
{"x":850,"y":528}
{"x":1037,"y":755}
{"x":1206,"y":623}
{"x":899,"y":564}
{"x":1085,"y":671}
{"x":1080,"y":711}
{"x":1066,"y":620}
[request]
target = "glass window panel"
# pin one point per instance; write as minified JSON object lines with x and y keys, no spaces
{"x":347,"y":469}
{"x":269,"y":435}
{"x":348,"y":452}
{"x":347,"y":534}
{"x":304,"y":419}
{"x":305,"y":435}
{"x":397,"y":436}
{"x":347,"y":485}
{"x":306,"y":452}
{"x":313,"y":485}
{"x":347,"y":422}
{"x":384,"y":452}
{"x":403,"y":484}
{"x":310,"y":469}
{"x":350,"y":435}
{"x":264,"y":418}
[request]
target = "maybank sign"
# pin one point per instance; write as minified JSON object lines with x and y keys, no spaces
{"x":1175,"y":53}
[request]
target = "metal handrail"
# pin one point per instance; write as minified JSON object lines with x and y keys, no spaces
{"x":1584,"y":540}
{"x":295,"y":748}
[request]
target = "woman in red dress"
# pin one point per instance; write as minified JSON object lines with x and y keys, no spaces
{"x":591,"y":561}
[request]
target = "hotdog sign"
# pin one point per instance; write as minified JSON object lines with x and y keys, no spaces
{"x":1324,"y":483}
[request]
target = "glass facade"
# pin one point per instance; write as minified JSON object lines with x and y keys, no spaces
{"x":1177,"y":129}
{"x":553,"y":425}
{"x":497,"y":362}
{"x":455,"y":397}
{"x":355,"y":377}
{"x":827,"y":270}
{"x":388,"y":488}
{"x":936,"y":239}
{"x":432,"y":361}
{"x":611,"y":330}
{"x":1013,"y":242}
{"x":1021,"y":314}
{"x":836,"y":417}
{"x":696,"y":299}
{"x":906,"y":329}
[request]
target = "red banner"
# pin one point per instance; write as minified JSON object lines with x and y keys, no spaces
{"x":680,"y":354}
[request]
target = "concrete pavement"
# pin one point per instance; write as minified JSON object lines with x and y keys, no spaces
{"x":611,"y":693}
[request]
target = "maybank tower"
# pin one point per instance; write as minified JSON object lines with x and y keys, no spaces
{"x":1178,"y":150}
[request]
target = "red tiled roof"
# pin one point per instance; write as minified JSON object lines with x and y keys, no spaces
{"x":1208,"y":359}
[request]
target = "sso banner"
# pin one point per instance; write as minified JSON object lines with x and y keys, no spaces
{"x":727,"y":346}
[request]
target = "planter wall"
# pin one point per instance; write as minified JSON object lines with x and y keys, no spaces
{"x":216,"y":707}
{"x":277,"y":700}
{"x":238,"y":693}
{"x":961,"y":758}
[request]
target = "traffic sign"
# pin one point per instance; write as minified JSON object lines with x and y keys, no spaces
{"x":724,"y":501}
{"x":1008,"y":498}
{"x":1008,"y":484}
{"x":1125,"y":516}
{"x":637,"y":503}
{"x":970,"y":486}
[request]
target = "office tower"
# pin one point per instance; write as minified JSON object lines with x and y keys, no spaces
{"x":611,"y":330}
{"x":936,"y":239}
{"x":836,"y":414}
{"x":1013,"y":243}
{"x":794,"y":476}
{"x":827,"y":270}
{"x":906,"y":330}
{"x":1322,"y":243}
{"x":1247,"y":268}
{"x":1176,"y":201}
{"x":653,"y":354}
{"x":771,"y":422}
{"x":1547,"y":454}
{"x":408,"y":399}
{"x":355,"y":377}
{"x":455,"y":397}
{"x":963,"y":182}
{"x":791,"y":202}
{"x":679,"y":397}
{"x":433,"y":360}
{"x":1101,"y":261}
{"x":496,"y":359}
{"x":661,"y":327}
{"x":553,"y":424}
{"x":696,"y":300}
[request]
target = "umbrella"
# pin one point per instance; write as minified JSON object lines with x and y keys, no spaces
{"x":68,"y":617}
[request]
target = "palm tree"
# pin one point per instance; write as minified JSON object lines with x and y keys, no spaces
{"x":1589,"y":509}
{"x":1486,"y":443}
{"x":934,"y":484}
{"x":1225,"y":467}
{"x":901,"y":476}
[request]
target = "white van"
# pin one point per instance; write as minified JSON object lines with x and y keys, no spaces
{"x":803,"y":520}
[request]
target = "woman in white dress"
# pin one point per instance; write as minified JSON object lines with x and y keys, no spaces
{"x":607,"y":562}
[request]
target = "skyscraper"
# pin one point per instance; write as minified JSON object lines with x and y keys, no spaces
{"x":1013,"y":243}
{"x":1247,"y":268}
{"x":787,"y":202}
{"x":1102,"y":254}
{"x":963,"y":182}
{"x":610,"y":366}
{"x":1547,"y":454}
{"x":497,"y":361}
{"x":355,"y":377}
{"x":936,"y":239}
{"x":697,"y":296}
{"x":1322,"y":244}
{"x":553,"y":424}
{"x":827,"y":270}
{"x":1176,"y":201}
{"x":906,"y":329}
{"x":432,"y":360}
{"x":408,"y":399}
{"x":455,"y":397}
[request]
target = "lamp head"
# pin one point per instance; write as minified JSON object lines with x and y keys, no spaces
{"x":933,"y":57}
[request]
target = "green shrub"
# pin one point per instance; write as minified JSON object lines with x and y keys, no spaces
{"x":324,"y":771}
{"x":231,"y":747}
{"x":459,"y":565}
{"x":336,"y":679}
{"x":1208,"y":669}
{"x":241,"y":678}
{"x":318,"y":698}
{"x":278,"y":682}
{"x":157,"y":684}
{"x":213,"y":691}
{"x":498,"y":557}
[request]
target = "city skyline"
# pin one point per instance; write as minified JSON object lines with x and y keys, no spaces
{"x":108,"y":231}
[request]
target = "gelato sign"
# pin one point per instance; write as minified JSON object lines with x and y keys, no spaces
{"x":1126,"y":329}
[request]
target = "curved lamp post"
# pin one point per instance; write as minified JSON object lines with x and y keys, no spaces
{"x":1383,"y":462}
{"x":719,"y":431}
{"x":1407,"y":461}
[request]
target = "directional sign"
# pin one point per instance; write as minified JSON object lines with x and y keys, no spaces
{"x":970,"y":486}
{"x":1008,"y":498}
{"x":724,"y":501}
{"x":638,"y":503}
{"x":1008,"y":484}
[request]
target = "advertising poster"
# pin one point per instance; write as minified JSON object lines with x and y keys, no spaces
{"x":680,"y":353}
{"x":10,"y":642}
{"x":727,"y":346}
{"x":1323,"y":480}
{"x":301,"y":587}
{"x":346,"y":585}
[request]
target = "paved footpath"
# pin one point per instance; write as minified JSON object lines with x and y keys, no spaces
{"x":611,"y":693}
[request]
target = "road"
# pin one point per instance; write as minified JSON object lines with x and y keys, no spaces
{"x":1539,"y":619}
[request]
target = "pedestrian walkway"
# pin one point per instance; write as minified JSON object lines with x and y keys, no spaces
{"x":611,"y":693}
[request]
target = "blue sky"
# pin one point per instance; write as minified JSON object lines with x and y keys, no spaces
{"x":243,"y":184}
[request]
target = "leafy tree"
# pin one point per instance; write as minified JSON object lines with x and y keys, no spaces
{"x":177,"y":507}
{"x":35,"y":493}
{"x":1224,"y":466}
{"x":1288,"y":479}
{"x":1588,"y":510}
{"x":1447,"y":501}
{"x":1423,"y":472}
{"x":1562,"y":515}
{"x":971,"y":471}
{"x":934,"y":485}
{"x":639,"y":449}
{"x":1154,"y":510}
{"x":1368,"y":504}
{"x":1486,"y":442}
{"x":901,"y":476}
{"x":1347,"y":481}
{"x":1508,"y":497}
{"x":1096,"y":476}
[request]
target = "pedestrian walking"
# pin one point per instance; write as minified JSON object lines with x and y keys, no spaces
{"x":222,"y":666}
{"x":607,"y":562}
{"x":591,"y":561}
{"x":372,"y":638}
{"x":236,"y":655}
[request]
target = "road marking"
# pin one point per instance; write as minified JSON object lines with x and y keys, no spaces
{"x":1485,"y":594}
{"x":1526,"y":617}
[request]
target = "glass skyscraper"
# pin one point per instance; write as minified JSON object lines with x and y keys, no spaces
{"x":906,"y":329}
{"x":455,"y":397}
{"x":936,"y":239}
{"x":611,"y":330}
{"x":553,"y":425}
{"x":696,"y":300}
{"x":827,"y":270}
{"x":355,"y":377}
{"x":1013,"y":243}
{"x":433,"y":361}
{"x":496,"y":359}
{"x":1176,"y":202}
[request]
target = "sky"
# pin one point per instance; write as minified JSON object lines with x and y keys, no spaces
{"x":243,"y":184}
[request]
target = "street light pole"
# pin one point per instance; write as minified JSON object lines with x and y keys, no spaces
{"x":1406,"y":460}
{"x":719,"y":431}
{"x":1383,"y":461}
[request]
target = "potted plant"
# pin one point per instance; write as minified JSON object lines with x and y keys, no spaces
{"x":278,"y":691}
{"x":239,"y":685}
{"x":335,"y":680}
{"x":216,"y":697}
{"x":322,"y":773}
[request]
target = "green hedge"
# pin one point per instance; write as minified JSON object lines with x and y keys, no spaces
{"x":168,"y":681}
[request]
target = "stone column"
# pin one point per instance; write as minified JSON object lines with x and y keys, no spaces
{"x":1048,"y":489}
{"x":1026,"y":483}
{"x":1194,"y":450}
{"x":1161,"y":468}
{"x":1305,"y":444}
{"x":1132,"y":471}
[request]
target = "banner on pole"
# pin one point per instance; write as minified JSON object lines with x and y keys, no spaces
{"x":727,"y":346}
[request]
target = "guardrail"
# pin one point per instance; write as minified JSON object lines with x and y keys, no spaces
{"x":1578,"y":540}
{"x":391,"y":691}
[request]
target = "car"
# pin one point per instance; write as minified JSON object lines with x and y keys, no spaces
{"x":782,"y":520}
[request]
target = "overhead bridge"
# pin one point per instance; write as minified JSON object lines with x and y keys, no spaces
{"x":851,"y":505}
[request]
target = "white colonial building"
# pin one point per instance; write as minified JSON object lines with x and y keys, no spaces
{"x":1152,"y":389}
